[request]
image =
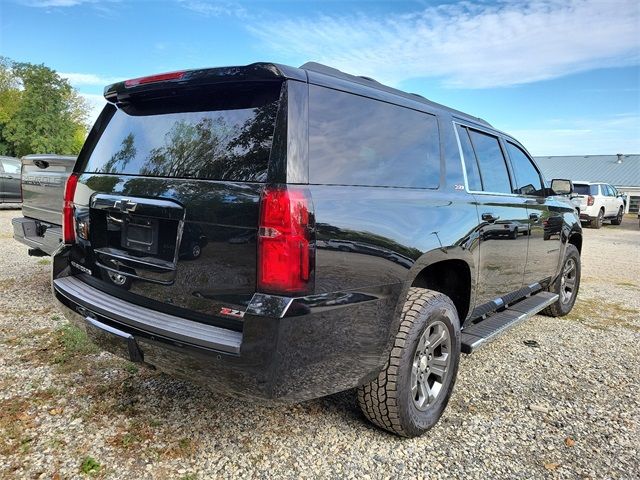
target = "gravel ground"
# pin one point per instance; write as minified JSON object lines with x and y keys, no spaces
{"x":566,"y":407}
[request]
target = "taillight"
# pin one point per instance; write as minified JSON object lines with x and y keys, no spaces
{"x":161,"y":77}
{"x":285,"y":244}
{"x":590,"y":200}
{"x":68,"y":221}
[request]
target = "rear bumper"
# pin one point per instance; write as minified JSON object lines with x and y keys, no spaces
{"x":38,"y":235}
{"x":288,"y":350}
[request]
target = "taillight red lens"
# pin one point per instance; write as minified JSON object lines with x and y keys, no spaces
{"x":68,"y":221}
{"x":590,"y":200}
{"x":285,"y":248}
{"x":161,"y":77}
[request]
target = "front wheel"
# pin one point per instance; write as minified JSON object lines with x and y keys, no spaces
{"x":411,"y":392}
{"x":566,"y":285}
{"x":618,"y":219}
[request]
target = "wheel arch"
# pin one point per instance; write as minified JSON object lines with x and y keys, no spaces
{"x":575,"y":239}
{"x":453,"y":277}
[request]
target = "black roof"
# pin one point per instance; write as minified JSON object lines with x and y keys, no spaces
{"x":375,"y":85}
{"x":314,"y":73}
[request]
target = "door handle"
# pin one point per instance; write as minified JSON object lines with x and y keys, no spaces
{"x":534,"y":216}
{"x":489,"y":217}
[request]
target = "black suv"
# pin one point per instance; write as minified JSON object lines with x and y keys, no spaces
{"x":339,"y":234}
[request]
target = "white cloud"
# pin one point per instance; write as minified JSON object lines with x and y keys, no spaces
{"x":215,"y":8}
{"x":58,"y":3}
{"x":471,"y":45}
{"x":89,"y":79}
{"x":607,"y":135}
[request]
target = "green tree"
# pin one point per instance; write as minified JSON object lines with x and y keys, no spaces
{"x":42,"y":113}
{"x":9,"y":101}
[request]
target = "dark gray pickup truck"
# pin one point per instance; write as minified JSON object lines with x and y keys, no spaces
{"x":43,"y":180}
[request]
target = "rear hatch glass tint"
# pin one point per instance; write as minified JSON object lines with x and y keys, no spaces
{"x":583,"y":189}
{"x":223,"y":134}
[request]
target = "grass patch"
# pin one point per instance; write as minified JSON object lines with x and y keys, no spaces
{"x":182,"y":448}
{"x":130,"y":439}
{"x":90,"y":466}
{"x":14,"y":420}
{"x":628,"y":285}
{"x":131,"y":368}
{"x":601,"y":315}
{"x":66,"y":348}
{"x":6,"y":283}
{"x":44,"y":261}
{"x":73,"y":342}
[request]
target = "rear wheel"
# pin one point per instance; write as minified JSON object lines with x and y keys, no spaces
{"x":618,"y":219}
{"x":597,"y":222}
{"x":566,"y":285}
{"x":411,"y":392}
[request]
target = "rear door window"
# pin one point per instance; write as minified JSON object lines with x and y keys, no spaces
{"x":356,"y":140}
{"x":226,"y":135}
{"x":493,"y":168}
{"x":526,"y":175}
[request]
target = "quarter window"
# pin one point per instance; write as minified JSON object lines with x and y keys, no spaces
{"x":355,"y":140}
{"x":526,"y":176}
{"x":493,"y":168}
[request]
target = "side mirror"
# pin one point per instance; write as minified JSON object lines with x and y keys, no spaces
{"x":562,"y":186}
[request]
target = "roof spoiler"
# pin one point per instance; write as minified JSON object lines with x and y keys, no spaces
{"x":122,"y":91}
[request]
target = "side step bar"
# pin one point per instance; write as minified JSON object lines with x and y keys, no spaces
{"x":476,"y":335}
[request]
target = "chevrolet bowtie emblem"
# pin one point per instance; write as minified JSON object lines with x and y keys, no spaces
{"x":125,"y":205}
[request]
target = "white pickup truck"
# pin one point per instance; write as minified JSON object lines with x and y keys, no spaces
{"x":597,"y":202}
{"x":43,"y":181}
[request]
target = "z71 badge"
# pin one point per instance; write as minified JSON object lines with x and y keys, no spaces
{"x":230,"y":312}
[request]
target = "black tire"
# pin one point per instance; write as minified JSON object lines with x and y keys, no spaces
{"x":564,"y":305}
{"x":195,"y":251}
{"x":514,"y":234}
{"x":597,"y":222}
{"x":388,"y":401}
{"x":618,"y":219}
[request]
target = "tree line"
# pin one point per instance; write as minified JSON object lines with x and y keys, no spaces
{"x":40,"y":112}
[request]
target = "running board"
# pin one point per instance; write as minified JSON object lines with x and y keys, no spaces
{"x":476,"y":335}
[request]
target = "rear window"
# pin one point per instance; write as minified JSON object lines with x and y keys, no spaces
{"x":584,"y":189}
{"x":223,"y":135}
{"x":355,"y":140}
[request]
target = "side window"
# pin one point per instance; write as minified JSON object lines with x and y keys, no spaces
{"x":355,"y":140}
{"x":10,"y":167}
{"x":525,"y":173}
{"x":493,"y":168}
{"x":610,"y":191}
{"x":469,"y":158}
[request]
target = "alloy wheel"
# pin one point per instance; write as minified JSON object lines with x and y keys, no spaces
{"x":568,"y":281}
{"x":430,"y":367}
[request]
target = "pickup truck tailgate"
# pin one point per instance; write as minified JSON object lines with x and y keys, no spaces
{"x":43,"y":180}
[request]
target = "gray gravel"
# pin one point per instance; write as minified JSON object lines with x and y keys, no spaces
{"x":565,"y":405}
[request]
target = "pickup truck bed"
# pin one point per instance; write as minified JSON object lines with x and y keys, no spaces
{"x":43,"y":180}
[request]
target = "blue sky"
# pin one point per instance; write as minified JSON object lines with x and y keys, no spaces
{"x":561,"y":75}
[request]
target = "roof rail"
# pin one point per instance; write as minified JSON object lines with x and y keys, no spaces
{"x":370,"y":82}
